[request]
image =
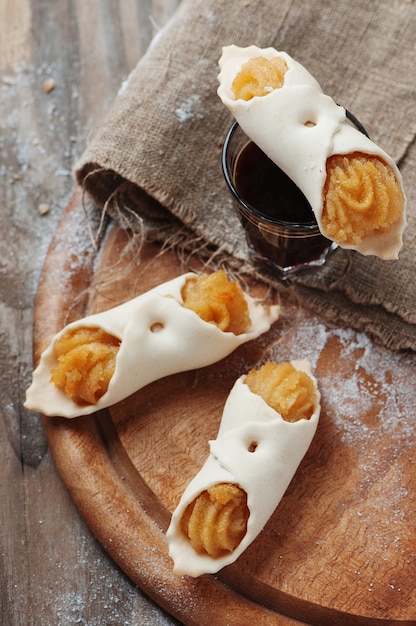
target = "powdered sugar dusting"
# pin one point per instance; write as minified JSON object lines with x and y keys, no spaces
{"x":368,"y":397}
{"x":363,"y":377}
{"x":373,"y":378}
{"x":190,"y":109}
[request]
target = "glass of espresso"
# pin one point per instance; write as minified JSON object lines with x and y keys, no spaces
{"x":281,"y":229}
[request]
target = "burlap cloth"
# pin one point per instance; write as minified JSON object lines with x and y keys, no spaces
{"x":157,"y":154}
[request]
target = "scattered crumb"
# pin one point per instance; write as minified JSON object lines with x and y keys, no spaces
{"x":43,"y":209}
{"x":49,"y":85}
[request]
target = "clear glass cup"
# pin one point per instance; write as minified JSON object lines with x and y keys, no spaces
{"x":289,"y":244}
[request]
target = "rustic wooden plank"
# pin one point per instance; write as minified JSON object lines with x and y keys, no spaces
{"x":52,"y":569}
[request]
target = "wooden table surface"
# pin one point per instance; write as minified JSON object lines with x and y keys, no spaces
{"x":61,"y":64}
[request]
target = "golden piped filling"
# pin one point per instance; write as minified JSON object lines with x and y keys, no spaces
{"x":287,"y":390}
{"x":217,"y":300}
{"x":361,"y":197}
{"x":258,"y":77}
{"x":216,"y":521}
{"x":86,"y":362}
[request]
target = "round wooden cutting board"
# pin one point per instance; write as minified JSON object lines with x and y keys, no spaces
{"x":341,"y":546}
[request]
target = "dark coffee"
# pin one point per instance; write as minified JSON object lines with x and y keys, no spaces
{"x":264,"y":187}
{"x":267,"y":189}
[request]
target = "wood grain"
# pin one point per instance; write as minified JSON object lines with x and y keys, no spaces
{"x":52,"y":569}
{"x":339,"y":548}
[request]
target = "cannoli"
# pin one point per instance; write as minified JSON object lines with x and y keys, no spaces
{"x":268,"y":423}
{"x":189,"y":322}
{"x":353,"y":186}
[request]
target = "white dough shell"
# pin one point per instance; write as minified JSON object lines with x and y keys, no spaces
{"x":263,"y":474}
{"x":159,"y":337}
{"x":299,"y":127}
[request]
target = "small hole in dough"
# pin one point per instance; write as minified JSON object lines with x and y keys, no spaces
{"x":252,"y":447}
{"x":309,"y":123}
{"x":156,"y":327}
